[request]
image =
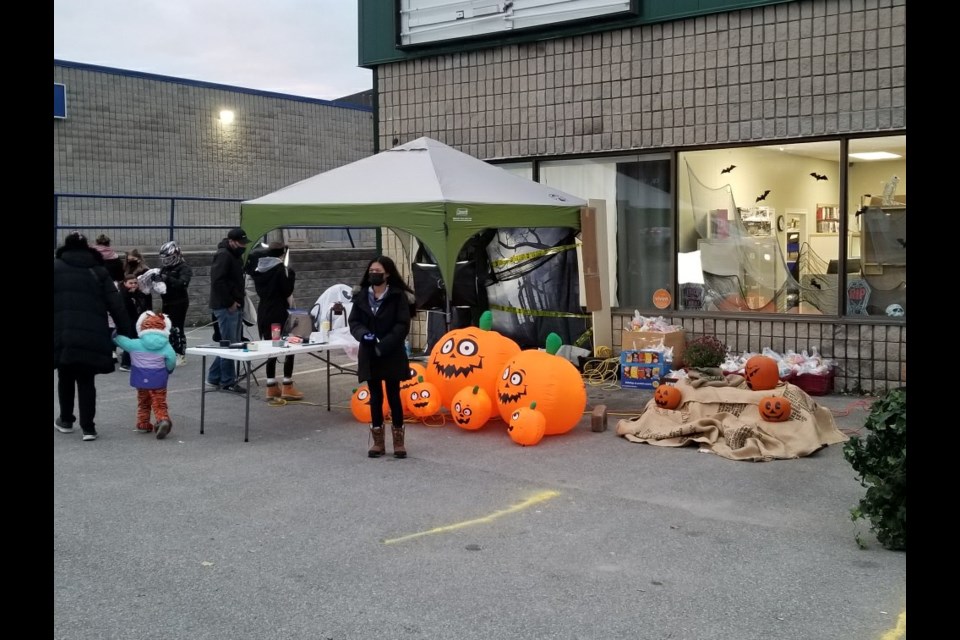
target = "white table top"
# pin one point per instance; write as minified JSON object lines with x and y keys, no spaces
{"x":264,"y":350}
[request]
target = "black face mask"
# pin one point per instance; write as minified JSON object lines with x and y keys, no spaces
{"x":376,"y":279}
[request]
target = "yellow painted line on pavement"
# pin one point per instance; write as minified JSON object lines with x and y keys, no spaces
{"x":898,"y":631}
{"x":540,"y":497}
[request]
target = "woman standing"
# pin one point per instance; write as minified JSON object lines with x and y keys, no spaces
{"x":380,"y":321}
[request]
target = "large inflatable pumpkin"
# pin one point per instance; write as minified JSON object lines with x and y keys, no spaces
{"x":471,"y":408}
{"x":549,"y":380}
{"x":467,"y":357}
{"x":761,"y":373}
{"x":527,"y":425}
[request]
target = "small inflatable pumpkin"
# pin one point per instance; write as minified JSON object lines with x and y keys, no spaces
{"x":667,"y":396}
{"x":549,"y":380}
{"x":360,"y":404}
{"x":761,"y":373}
{"x":416,"y":370}
{"x":423,"y":398}
{"x":775,"y":409}
{"x":471,"y":408}
{"x":527,"y":425}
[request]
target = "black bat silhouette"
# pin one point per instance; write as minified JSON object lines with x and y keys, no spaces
{"x":728,"y":169}
{"x":902,"y":242}
{"x":763,"y":196}
{"x":818,"y":176}
{"x":816,"y":284}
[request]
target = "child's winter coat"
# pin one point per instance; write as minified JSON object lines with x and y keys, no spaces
{"x":152,"y":359}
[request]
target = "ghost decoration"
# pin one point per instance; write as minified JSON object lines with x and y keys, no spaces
{"x":547,"y":379}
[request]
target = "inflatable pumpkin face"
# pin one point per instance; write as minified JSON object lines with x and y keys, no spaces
{"x":667,"y":396}
{"x":527,"y":425}
{"x":468,"y":357}
{"x":360,"y":404}
{"x":416,"y":370}
{"x":471,"y":408}
{"x":775,"y":409}
{"x":423,"y":398}
{"x":761,"y":373}
{"x":550,"y":381}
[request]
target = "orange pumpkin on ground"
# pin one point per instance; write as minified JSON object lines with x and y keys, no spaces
{"x":467,"y":357}
{"x":775,"y":409}
{"x":360,"y":404}
{"x":761,"y":373}
{"x":550,"y":381}
{"x":471,"y":408}
{"x":423,"y":399}
{"x":667,"y":396}
{"x":527,"y":425}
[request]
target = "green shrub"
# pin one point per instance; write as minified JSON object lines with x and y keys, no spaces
{"x":703,"y":352}
{"x":880,"y":461}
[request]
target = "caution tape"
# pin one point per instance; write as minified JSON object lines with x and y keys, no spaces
{"x":530,"y":256}
{"x":537,"y":312}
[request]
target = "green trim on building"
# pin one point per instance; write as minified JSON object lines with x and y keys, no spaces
{"x":378,"y":35}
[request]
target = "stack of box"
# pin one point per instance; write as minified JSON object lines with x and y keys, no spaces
{"x":642,"y":368}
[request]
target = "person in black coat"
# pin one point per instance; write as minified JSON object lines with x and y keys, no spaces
{"x":226,"y":302}
{"x":274,"y":282}
{"x":380,"y":321}
{"x":83,"y":294}
{"x":175,"y":274}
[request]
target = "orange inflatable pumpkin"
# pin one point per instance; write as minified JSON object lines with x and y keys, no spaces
{"x":467,"y":357}
{"x":416,"y":370}
{"x":761,"y":373}
{"x":550,"y":381}
{"x":360,"y":404}
{"x":667,"y":396}
{"x":775,"y":409}
{"x":471,"y":408}
{"x":527,"y":425}
{"x":423,"y":398}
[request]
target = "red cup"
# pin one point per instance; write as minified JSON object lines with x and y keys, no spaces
{"x":275,"y":331}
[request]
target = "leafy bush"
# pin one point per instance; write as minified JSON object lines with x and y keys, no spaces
{"x":703,"y":352}
{"x":880,"y":461}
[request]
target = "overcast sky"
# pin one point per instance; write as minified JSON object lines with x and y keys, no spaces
{"x":299,"y":47}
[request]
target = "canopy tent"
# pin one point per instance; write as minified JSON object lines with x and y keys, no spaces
{"x":440,"y":195}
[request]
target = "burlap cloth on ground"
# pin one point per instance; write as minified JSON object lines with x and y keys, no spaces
{"x":723,"y":417}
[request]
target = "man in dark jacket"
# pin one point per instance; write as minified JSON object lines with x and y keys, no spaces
{"x":226,"y":302}
{"x":83,"y":294}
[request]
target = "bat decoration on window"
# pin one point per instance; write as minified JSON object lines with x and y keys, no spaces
{"x":728,"y":169}
{"x":902,"y":242}
{"x":818,"y":176}
{"x":763,"y":196}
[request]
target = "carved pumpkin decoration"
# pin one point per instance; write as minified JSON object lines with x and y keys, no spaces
{"x":471,"y":408}
{"x":667,"y":396}
{"x":527,"y":425}
{"x":360,"y":404}
{"x":467,"y":357}
{"x":775,"y":409}
{"x":423,"y":398}
{"x":416,"y":370}
{"x":761,"y":373}
{"x":550,"y":381}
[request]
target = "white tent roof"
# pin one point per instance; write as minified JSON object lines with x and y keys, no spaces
{"x":423,"y":170}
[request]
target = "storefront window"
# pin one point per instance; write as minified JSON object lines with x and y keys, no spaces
{"x":759,"y":228}
{"x":636,"y":191}
{"x":877,"y":251}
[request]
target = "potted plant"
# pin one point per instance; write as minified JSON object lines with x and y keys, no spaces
{"x":705,"y":354}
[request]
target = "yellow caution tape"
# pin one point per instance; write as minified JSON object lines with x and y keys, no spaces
{"x":521,"y":257}
{"x":542,"y":313}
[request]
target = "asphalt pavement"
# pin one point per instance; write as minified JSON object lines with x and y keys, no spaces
{"x":297,"y":534}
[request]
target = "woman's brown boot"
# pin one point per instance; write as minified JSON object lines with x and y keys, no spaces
{"x":378,"y":448}
{"x":398,"y":450}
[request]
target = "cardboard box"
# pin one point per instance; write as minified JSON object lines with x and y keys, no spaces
{"x":642,"y":369}
{"x":634,"y":340}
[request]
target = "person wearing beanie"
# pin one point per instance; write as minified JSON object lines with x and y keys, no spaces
{"x":274,"y":282}
{"x":83,"y":296}
{"x":152,"y":360}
